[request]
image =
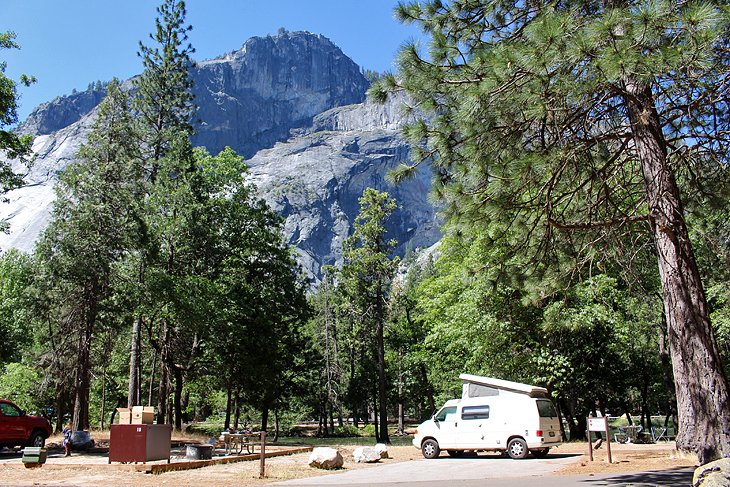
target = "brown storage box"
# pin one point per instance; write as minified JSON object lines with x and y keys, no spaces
{"x":125,"y":415}
{"x":143,"y":415}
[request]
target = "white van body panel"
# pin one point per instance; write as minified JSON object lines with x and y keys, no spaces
{"x":490,"y":413}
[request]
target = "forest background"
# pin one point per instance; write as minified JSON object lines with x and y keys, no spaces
{"x":163,"y":279}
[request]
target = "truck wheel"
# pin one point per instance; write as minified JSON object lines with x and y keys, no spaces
{"x":430,"y":449}
{"x":517,"y":448}
{"x":37,"y":439}
{"x":541,"y":453}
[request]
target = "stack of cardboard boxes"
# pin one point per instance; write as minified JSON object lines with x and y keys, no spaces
{"x":137,"y":415}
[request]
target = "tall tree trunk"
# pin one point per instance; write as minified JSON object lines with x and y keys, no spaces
{"x":703,"y":399}
{"x":265,"y":418}
{"x":103,"y":396}
{"x":177,"y":401}
{"x":134,"y":368}
{"x":60,"y":412}
{"x":382,"y":385}
{"x":162,"y":394}
{"x":152,"y":378}
{"x":227,"y":424}
{"x":83,"y":374}
{"x":276,"y":425}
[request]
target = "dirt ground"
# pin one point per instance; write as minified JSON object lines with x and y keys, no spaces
{"x":626,"y":458}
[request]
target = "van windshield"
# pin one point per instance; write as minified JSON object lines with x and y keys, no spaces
{"x":546,"y":409}
{"x":446,"y":414}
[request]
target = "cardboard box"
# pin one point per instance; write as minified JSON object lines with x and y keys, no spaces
{"x":125,"y":415}
{"x":143,"y":415}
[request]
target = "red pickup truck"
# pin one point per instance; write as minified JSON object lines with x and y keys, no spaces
{"x":20,"y":429}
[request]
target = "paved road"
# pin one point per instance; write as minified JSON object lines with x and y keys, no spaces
{"x":490,"y":472}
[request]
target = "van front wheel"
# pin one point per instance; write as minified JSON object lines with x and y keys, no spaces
{"x":430,"y":449}
{"x":517,"y":448}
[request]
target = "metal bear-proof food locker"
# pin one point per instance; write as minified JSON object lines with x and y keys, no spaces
{"x":139,"y":442}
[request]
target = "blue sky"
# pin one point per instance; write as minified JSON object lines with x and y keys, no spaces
{"x":67,"y":44}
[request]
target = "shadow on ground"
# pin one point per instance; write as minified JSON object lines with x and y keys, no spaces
{"x":487,"y":456}
{"x":676,"y":477}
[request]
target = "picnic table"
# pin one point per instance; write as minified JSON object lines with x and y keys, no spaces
{"x":238,"y":442}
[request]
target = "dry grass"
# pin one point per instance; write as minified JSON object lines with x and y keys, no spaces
{"x":625,"y":458}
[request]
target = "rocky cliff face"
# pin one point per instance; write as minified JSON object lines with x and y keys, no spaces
{"x":295,"y":103}
{"x":315,"y":179}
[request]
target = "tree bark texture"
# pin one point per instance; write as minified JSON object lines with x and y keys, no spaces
{"x":701,"y":385}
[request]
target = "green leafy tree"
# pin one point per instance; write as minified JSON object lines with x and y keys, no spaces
{"x":20,"y":383}
{"x":366,"y":276}
{"x":16,"y":275}
{"x":12,"y":145}
{"x":579,"y":122}
{"x":92,"y":225}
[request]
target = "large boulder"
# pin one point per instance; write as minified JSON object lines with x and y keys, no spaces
{"x":326,"y":458}
{"x":713,"y":474}
{"x":366,"y":454}
{"x":382,"y":448}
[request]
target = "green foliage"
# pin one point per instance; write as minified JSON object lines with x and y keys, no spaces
{"x":20,"y":383}
{"x":15,"y":320}
{"x":528,"y":125}
{"x":164,"y":102}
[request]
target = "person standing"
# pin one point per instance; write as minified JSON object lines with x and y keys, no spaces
{"x":67,"y":440}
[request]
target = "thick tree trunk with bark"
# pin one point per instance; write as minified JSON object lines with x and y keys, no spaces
{"x":701,"y":386}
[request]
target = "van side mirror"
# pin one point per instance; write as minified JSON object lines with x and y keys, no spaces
{"x":435,"y":418}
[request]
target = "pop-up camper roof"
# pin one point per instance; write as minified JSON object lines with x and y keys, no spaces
{"x":492,"y":383}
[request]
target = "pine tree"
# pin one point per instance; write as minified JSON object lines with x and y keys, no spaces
{"x":366,"y":274}
{"x":164,"y":106}
{"x":575,"y":123}
{"x":164,"y":100}
{"x":92,"y":226}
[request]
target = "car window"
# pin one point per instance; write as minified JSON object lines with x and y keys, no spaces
{"x":9,"y":409}
{"x":475,"y":412}
{"x":546,"y":409}
{"x":447,"y":414}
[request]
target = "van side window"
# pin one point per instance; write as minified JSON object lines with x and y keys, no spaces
{"x":475,"y":412}
{"x":546,"y":409}
{"x":446,"y":414}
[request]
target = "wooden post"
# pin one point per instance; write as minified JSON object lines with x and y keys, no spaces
{"x":590,"y":444}
{"x":262,"y":456}
{"x":608,"y":443}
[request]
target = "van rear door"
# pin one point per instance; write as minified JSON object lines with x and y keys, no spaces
{"x":549,"y":422}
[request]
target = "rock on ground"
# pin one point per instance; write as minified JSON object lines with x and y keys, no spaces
{"x":713,"y":474}
{"x":326,"y":458}
{"x":366,"y":454}
{"x":382,"y":448}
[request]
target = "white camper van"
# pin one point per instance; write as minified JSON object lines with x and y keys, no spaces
{"x":492,"y":415}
